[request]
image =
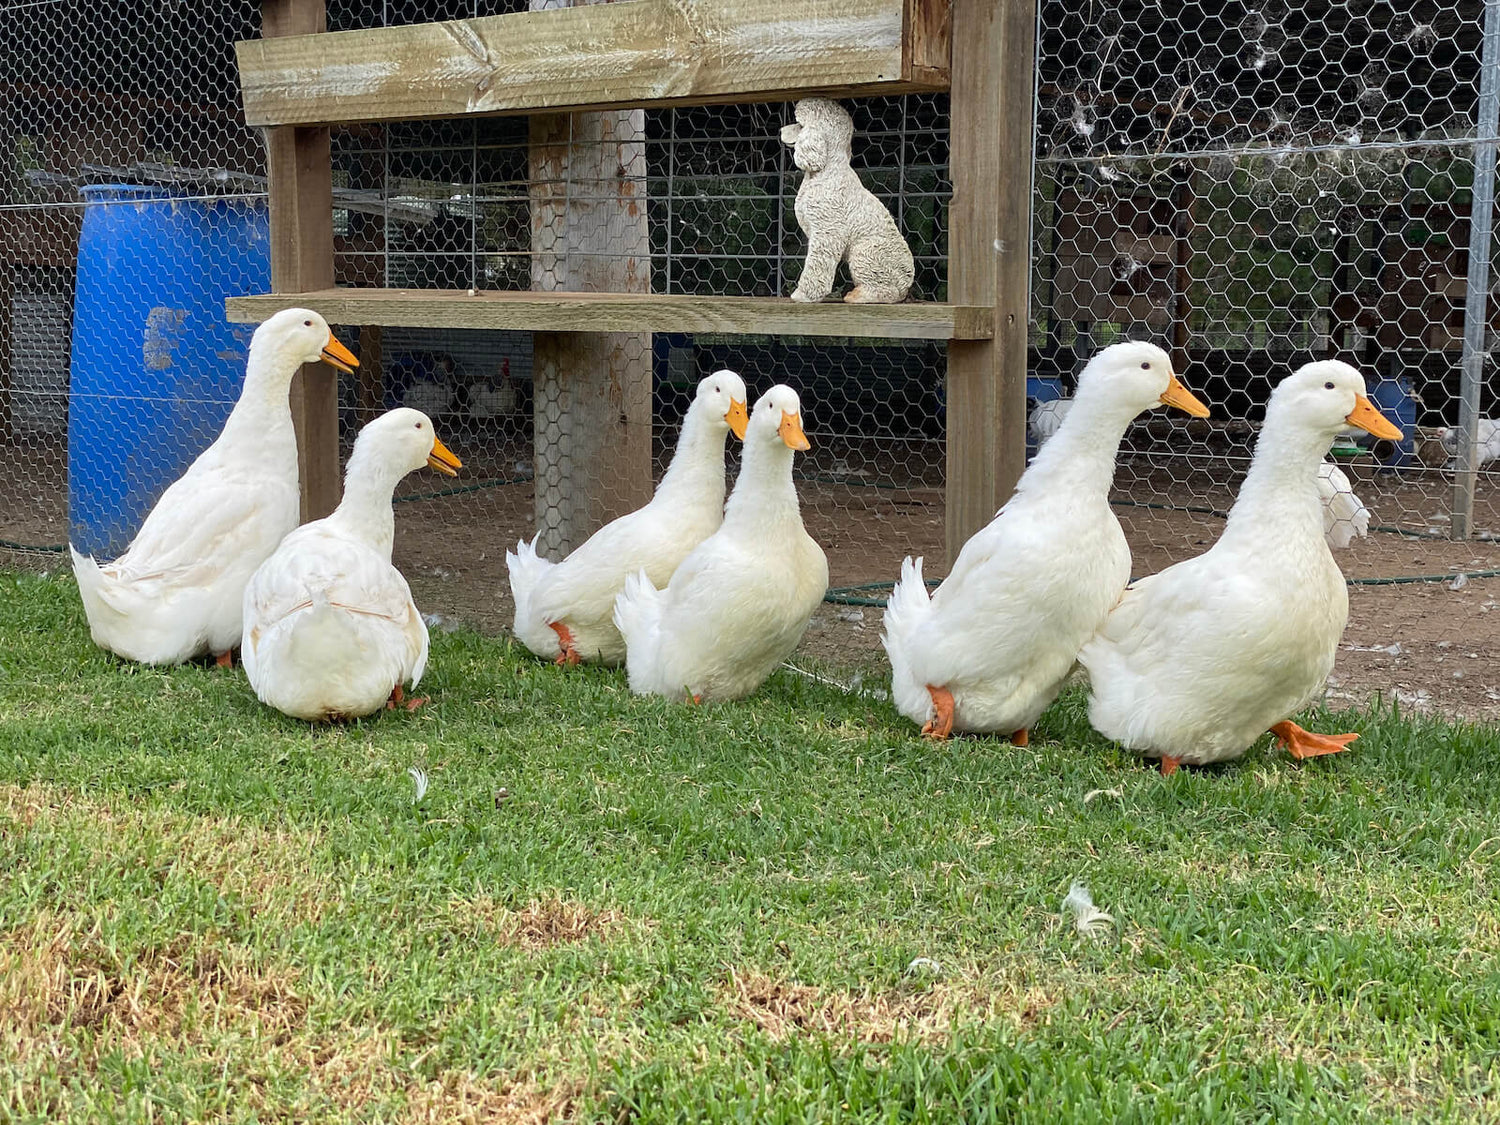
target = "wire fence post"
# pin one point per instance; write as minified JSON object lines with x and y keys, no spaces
{"x":1477,"y":299}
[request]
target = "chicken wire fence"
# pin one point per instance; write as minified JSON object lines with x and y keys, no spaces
{"x":1252,"y":186}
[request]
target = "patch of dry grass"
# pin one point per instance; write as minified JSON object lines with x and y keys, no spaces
{"x":463,"y":1099}
{"x":268,"y":868}
{"x":540,"y":924}
{"x":783,"y":1008}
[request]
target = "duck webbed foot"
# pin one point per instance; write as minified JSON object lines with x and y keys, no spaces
{"x":1305,"y":744}
{"x":398,"y":699}
{"x":569,"y":654}
{"x":940,"y":726}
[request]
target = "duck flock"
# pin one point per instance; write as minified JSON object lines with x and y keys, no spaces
{"x":701,"y":598}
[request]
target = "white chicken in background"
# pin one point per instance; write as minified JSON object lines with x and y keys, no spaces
{"x":565,"y":610}
{"x":740,"y":602}
{"x":493,"y":400}
{"x":1344,"y":516}
{"x":330,"y":628}
{"x":434,"y":394}
{"x":1046,"y":417}
{"x":175,"y":592}
{"x":1489,"y":441}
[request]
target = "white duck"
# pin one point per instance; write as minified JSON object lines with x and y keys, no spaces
{"x":1196,"y":662}
{"x":740,"y":602}
{"x":566,"y":609}
{"x":175,"y":592}
{"x":330,"y":627}
{"x":992,"y":646}
{"x":1344,"y":516}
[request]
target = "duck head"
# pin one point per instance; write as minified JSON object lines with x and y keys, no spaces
{"x":404,"y":440}
{"x":1327,"y":396}
{"x":298,"y":336}
{"x":777,"y":419}
{"x":1141,"y":375}
{"x":722,"y":398}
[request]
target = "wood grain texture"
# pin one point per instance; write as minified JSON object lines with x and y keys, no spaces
{"x":591,"y":391}
{"x":681,"y":52}
{"x":625,"y":312}
{"x":989,"y":257}
{"x":300,"y":175}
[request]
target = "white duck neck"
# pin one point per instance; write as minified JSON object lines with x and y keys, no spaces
{"x":696,"y":474}
{"x":365,"y":512}
{"x":1079,"y":460}
{"x":1280,"y":493}
{"x":263,"y":416}
{"x":764,"y":495}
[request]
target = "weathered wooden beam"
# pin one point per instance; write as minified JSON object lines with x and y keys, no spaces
{"x":591,"y":391}
{"x":371,"y":373}
{"x":300,"y":174}
{"x":989,"y":255}
{"x":625,"y":312}
{"x":599,"y":56}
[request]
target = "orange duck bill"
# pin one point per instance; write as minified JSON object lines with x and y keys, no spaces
{"x":1366,"y":417}
{"x":336,"y":355}
{"x":441,"y":458}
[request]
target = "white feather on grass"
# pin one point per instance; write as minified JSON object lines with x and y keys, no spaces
{"x":419,"y":779}
{"x":1090,"y":920}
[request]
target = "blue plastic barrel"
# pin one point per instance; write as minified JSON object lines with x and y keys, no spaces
{"x":1394,"y":399}
{"x":155,"y":367}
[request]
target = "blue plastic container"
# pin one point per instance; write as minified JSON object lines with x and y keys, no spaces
{"x":155,"y":367}
{"x":1394,"y":399}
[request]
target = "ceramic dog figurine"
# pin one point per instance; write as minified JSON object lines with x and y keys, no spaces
{"x":842,"y":220}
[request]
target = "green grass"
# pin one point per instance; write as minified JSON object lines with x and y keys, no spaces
{"x":707,"y":914}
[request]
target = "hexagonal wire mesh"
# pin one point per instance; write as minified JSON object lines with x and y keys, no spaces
{"x":132,"y":198}
{"x":1256,"y":185}
{"x":1252,"y":186}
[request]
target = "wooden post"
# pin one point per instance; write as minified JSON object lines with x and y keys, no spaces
{"x":371,"y":373}
{"x":989,"y":255}
{"x":299,"y":168}
{"x":592,"y":392}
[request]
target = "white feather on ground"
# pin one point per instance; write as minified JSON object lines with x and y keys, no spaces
{"x":1090,"y":920}
{"x":1344,"y":516}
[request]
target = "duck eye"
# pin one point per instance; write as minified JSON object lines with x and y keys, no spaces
{"x":1328,"y":386}
{"x":419,"y":425}
{"x":307,"y":324}
{"x":1146,"y":366}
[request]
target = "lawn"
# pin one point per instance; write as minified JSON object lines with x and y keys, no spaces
{"x":609,"y":909}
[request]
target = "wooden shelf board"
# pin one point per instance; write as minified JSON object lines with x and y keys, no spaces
{"x":636,"y":52}
{"x":623,"y":312}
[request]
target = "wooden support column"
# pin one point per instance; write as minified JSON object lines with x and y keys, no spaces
{"x":299,"y":167}
{"x":592,"y":391}
{"x":989,"y":255}
{"x":371,"y":373}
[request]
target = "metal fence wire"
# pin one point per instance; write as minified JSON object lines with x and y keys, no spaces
{"x":1250,"y":184}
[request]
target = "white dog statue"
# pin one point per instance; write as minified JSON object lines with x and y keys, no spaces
{"x":842,"y":220}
